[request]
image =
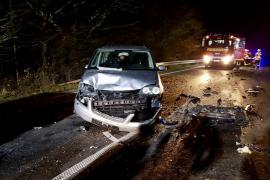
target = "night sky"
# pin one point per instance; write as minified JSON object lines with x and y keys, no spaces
{"x":250,"y":19}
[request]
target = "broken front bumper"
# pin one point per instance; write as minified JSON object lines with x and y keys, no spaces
{"x":124,"y":124}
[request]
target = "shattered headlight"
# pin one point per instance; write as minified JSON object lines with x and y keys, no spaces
{"x":85,"y":88}
{"x":85,"y":91}
{"x":150,"y":90}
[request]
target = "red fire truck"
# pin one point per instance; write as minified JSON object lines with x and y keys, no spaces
{"x":227,"y":50}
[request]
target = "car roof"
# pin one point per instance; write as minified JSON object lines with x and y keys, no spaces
{"x":124,"y":47}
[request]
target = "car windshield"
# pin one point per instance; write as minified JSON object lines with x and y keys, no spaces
{"x":126,"y":60}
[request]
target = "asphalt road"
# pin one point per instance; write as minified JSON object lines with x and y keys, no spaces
{"x":195,"y":151}
{"x":204,"y":151}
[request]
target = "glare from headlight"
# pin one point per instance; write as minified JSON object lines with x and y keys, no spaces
{"x":146,"y":90}
{"x":206,"y":59}
{"x":227,"y":59}
{"x":156,"y":90}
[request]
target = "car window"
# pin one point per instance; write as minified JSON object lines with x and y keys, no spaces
{"x":128,"y":60}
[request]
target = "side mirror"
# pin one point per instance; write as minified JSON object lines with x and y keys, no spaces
{"x":86,"y":66}
{"x":162,"y":68}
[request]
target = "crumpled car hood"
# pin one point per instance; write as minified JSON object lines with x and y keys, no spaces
{"x":124,"y":80}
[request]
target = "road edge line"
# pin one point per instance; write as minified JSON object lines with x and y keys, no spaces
{"x":85,"y":163}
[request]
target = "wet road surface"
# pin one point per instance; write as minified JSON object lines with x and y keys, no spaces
{"x":196,"y":149}
{"x":208,"y":150}
{"x":41,"y":137}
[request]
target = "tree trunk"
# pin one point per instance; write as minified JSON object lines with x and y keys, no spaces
{"x":16,"y":63}
{"x":44,"y":53}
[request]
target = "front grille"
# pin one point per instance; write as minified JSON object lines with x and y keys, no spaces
{"x":116,"y":111}
{"x":116,"y":95}
{"x":121,"y":104}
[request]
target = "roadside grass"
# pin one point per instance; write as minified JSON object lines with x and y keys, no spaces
{"x":31,"y":82}
{"x":6,"y":95}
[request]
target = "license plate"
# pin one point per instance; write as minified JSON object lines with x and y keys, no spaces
{"x":118,"y":102}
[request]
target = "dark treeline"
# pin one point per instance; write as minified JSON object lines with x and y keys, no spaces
{"x":49,"y":41}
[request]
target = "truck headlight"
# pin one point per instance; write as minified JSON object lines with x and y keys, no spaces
{"x":150,"y":90}
{"x":227,"y":59}
{"x":206,"y":59}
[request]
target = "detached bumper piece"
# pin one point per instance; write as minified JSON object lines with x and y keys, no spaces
{"x":90,"y":114}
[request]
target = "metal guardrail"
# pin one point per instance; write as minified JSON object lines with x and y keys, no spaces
{"x":169,"y":63}
{"x":192,"y":64}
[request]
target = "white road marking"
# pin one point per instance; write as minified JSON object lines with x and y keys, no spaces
{"x":81,"y":166}
{"x":110,"y":136}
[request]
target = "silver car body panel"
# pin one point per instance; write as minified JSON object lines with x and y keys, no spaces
{"x":120,"y":80}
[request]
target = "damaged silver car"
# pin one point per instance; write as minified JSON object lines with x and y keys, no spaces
{"x":121,"y":87}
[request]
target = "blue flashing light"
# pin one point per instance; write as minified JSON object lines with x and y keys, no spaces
{"x":265,"y":61}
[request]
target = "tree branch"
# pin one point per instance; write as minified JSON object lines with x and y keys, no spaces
{"x":120,"y":26}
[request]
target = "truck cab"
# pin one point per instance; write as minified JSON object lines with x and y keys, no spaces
{"x":225,"y":50}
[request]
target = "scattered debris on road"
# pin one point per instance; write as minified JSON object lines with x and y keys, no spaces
{"x":215,"y":92}
{"x":218,"y":115}
{"x":260,"y":149}
{"x":250,"y":108}
{"x":207,"y":92}
{"x":259,"y":87}
{"x":219,"y":101}
{"x":237,"y":143}
{"x":244,"y":150}
{"x":93,"y":147}
{"x":82,"y":128}
{"x":248,"y":148}
{"x":193,"y":99}
{"x":164,"y":122}
{"x":254,"y":91}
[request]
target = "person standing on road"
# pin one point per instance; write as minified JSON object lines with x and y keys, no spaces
{"x":257,"y":58}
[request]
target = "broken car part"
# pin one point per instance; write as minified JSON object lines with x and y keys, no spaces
{"x":250,"y":108}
